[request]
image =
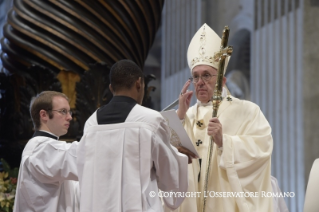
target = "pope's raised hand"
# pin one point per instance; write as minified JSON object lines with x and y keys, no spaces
{"x":184,"y":100}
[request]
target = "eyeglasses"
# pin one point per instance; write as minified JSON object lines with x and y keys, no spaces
{"x":64,"y":111}
{"x":205,"y":78}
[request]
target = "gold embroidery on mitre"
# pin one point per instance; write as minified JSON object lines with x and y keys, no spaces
{"x":195,"y":60}
{"x":202,"y":51}
{"x":202,"y":38}
{"x":208,"y":59}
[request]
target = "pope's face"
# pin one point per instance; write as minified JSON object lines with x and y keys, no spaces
{"x":205,"y":86}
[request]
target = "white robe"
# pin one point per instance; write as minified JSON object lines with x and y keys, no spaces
{"x":279,"y":202}
{"x":47,"y":176}
{"x":121,"y":166}
{"x":242,"y":165}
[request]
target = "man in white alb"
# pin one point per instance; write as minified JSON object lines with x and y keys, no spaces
{"x":125,"y":156}
{"x":48,"y":171}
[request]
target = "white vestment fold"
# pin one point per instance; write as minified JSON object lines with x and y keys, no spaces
{"x":47,"y":172}
{"x":122,"y":166}
{"x":279,"y":202}
{"x":242,"y":166}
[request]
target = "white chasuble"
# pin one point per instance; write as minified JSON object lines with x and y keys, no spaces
{"x":242,"y":166}
{"x":122,"y":166}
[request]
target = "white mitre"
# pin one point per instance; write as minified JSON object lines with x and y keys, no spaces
{"x":203,"y":48}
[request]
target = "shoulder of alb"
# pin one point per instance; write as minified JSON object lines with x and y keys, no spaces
{"x":149,"y":115}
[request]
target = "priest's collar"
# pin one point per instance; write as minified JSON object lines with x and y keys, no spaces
{"x":199,"y":103}
{"x":210,"y":103}
{"x":123,"y":99}
{"x":45,"y":134}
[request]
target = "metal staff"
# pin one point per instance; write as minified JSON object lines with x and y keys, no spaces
{"x":224,"y":52}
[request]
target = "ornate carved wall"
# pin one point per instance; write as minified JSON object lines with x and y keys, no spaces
{"x":68,"y":46}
